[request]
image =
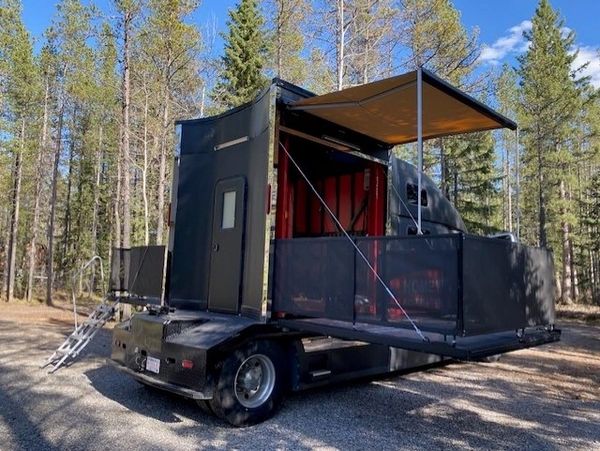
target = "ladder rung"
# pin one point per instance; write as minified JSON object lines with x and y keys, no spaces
{"x":82,"y":335}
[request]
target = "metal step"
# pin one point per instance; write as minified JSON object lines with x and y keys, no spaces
{"x":81,"y":336}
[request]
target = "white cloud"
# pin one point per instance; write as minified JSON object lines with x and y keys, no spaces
{"x":590,"y":56}
{"x":512,"y":42}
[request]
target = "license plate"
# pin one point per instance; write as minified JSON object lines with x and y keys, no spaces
{"x":152,"y":364}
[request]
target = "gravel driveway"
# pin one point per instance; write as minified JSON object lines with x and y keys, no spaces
{"x":544,"y":398}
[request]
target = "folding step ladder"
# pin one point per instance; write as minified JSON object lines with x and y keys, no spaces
{"x":82,"y":335}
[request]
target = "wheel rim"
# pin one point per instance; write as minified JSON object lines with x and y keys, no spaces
{"x":254,"y":381}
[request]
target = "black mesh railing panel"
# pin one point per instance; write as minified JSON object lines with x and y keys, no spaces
{"x":538,"y":281}
{"x":506,"y":286}
{"x":493,"y":290}
{"x":449,"y":284}
{"x":315,"y":277}
{"x":138,"y":270}
{"x":421,"y":273}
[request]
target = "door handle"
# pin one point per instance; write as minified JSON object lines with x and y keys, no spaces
{"x":215,"y":247}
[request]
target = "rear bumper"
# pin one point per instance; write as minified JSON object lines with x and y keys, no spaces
{"x":173,"y":388}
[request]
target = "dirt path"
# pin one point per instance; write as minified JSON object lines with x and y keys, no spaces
{"x":543,"y":398}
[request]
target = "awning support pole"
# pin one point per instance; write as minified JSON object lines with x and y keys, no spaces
{"x":517,"y":183}
{"x":419,"y":145}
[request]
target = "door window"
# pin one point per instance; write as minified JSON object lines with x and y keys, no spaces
{"x":228,"y":218}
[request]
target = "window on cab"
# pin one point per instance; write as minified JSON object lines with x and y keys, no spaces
{"x":411,"y":194}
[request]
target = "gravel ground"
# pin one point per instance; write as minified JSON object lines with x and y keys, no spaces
{"x":544,"y":398}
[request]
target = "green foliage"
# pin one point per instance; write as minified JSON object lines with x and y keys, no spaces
{"x":244,"y":56}
{"x":76,"y":79}
{"x":438,"y":41}
{"x":286,"y":38}
{"x":473,"y":182}
{"x":550,"y":99}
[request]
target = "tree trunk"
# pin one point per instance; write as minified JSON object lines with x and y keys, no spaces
{"x":574,"y":275}
{"x":4,"y":255}
{"x":126,"y":188}
{"x":444,"y":182}
{"x":566,"y":290}
{"x":279,"y":50}
{"x":50,"y":233}
{"x":96,"y":207}
{"x":124,"y":151}
{"x":64,"y":255}
{"x":543,"y":242}
{"x":118,"y":239}
{"x":507,"y":189}
{"x":341,"y":43}
{"x":202,"y":100}
{"x":145,"y":175}
{"x":162,"y":170}
{"x":38,"y":192}
{"x":14,"y":222}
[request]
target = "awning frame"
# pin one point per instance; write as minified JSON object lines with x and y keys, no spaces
{"x":423,"y":75}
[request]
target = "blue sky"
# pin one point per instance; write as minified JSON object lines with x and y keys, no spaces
{"x":500,"y":23}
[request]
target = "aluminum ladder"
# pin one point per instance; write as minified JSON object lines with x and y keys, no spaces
{"x":82,"y":335}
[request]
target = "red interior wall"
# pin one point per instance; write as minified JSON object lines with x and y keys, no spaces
{"x":285,"y":195}
{"x":300,"y":213}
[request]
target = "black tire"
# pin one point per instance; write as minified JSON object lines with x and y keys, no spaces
{"x":204,"y":405}
{"x":258,"y":396}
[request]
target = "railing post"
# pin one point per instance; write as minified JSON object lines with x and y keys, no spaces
{"x":419,"y":146}
{"x":460,"y":320}
{"x":354,"y":283}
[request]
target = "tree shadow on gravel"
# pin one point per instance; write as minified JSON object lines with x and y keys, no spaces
{"x":158,"y":404}
{"x":24,"y":429}
{"x":521,"y":402}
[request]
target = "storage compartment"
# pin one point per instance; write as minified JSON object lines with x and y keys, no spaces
{"x":353,"y":187}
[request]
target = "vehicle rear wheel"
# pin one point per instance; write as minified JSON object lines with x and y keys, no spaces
{"x":204,"y":405}
{"x":251,"y":384}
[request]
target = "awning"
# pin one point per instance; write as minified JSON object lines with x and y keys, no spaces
{"x":387,"y":109}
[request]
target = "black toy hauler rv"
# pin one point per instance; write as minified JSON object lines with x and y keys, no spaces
{"x":302,"y":253}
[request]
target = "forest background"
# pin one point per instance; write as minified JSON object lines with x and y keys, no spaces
{"x":87,"y":113}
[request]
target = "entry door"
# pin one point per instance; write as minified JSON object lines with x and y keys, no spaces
{"x":227,"y":241}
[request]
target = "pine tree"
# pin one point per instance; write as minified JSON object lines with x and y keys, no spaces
{"x":550,"y":101}
{"x":369,"y":47}
{"x":70,"y":35}
{"x":174,"y":47}
{"x":433,"y":32}
{"x":436,"y":39}
{"x":507,"y":96}
{"x":21,"y":91}
{"x":474,"y":183}
{"x":286,"y":20}
{"x":244,"y":60}
{"x":105,"y":143}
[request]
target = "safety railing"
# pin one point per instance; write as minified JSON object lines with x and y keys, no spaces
{"x":454,"y":284}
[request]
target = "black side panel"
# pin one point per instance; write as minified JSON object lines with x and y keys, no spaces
{"x":146,"y":271}
{"x":518,"y":289}
{"x":234,"y":144}
{"x":138,"y":270}
{"x":538,"y":271}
